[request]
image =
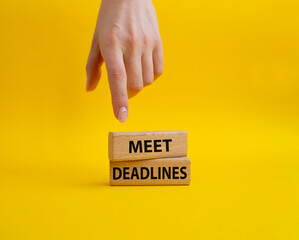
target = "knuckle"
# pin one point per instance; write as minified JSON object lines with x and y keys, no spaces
{"x":132,"y":42}
{"x":158,"y":72}
{"x":148,"y":81}
{"x":119,"y":97}
{"x":146,"y":39}
{"x":116,"y":73}
{"x":136,"y":87}
{"x":111,"y":39}
{"x":158,"y":40}
{"x":133,"y":39}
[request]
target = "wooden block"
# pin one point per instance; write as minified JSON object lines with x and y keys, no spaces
{"x":147,"y":145}
{"x":162,"y":171}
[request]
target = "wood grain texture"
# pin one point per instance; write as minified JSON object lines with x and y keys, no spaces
{"x":162,"y":171}
{"x":147,"y":145}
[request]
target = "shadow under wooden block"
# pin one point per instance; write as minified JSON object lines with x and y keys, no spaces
{"x":162,"y":171}
{"x":147,"y":145}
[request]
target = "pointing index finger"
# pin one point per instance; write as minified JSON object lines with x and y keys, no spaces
{"x":118,"y":82}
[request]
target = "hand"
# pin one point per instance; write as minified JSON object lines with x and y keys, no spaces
{"x":127,"y":38}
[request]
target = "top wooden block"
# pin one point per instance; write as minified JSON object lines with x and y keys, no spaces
{"x":147,"y":145}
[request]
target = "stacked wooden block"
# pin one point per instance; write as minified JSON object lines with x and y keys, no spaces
{"x":149,"y":158}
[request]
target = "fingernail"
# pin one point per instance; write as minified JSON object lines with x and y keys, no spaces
{"x":122,"y":114}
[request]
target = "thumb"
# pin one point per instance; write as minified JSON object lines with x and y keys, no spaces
{"x":93,"y":66}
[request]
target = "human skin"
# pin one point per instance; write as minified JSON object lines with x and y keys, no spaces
{"x":127,"y":39}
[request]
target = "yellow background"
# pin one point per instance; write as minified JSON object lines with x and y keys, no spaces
{"x":231,"y":79}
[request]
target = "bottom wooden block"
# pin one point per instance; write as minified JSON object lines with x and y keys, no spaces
{"x":162,"y":171}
